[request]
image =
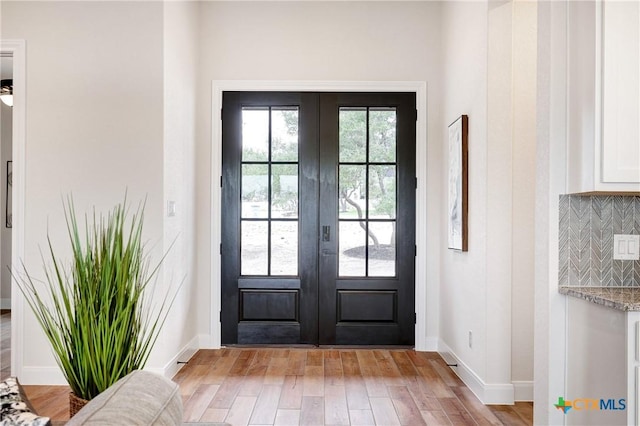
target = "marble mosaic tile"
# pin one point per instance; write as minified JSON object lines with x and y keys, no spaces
{"x":636,"y":225}
{"x":586,"y":228}
{"x":563,"y":247}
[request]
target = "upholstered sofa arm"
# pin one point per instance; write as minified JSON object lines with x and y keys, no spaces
{"x":140,"y":398}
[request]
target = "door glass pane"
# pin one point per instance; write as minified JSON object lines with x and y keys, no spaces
{"x":255,"y":134}
{"x":284,"y":248}
{"x":352,"y":192}
{"x":351,"y":257}
{"x":284,"y":190}
{"x":255,"y":190}
{"x":269,"y":190}
{"x":382,"y":135}
{"x":367,"y":191}
{"x":254,"y":253}
{"x":284,"y":134}
{"x":353,"y":135}
{"x":382,"y":192}
{"x":382,"y":249}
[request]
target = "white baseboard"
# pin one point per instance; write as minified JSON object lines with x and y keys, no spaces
{"x":445,"y":353}
{"x":5,"y":303}
{"x":172,"y":367}
{"x":523,"y":390}
{"x":207,"y":342}
{"x":42,"y":376}
{"x":430,"y":345}
{"x":53,"y":375}
{"x":501,"y":393}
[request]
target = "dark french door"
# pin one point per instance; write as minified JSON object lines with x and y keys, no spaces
{"x":318,"y":218}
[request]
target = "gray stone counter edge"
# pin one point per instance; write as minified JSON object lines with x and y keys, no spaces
{"x":621,"y":298}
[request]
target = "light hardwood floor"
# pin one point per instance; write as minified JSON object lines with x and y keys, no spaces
{"x":315,"y":386}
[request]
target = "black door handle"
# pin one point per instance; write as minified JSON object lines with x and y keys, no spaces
{"x":326,"y":233}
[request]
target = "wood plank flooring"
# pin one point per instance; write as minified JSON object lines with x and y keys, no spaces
{"x":317,"y":386}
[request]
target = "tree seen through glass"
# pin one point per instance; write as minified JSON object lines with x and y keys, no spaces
{"x":366,"y":183}
{"x":367,"y":189}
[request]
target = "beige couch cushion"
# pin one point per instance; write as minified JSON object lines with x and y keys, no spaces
{"x":140,"y":398}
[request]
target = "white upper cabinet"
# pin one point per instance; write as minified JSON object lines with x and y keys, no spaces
{"x":620,"y":92}
{"x":603,"y":82}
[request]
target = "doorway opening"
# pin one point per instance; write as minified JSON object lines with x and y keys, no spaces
{"x":6,"y":184}
{"x":426,"y":308}
{"x":318,"y":229}
{"x":16,"y":51}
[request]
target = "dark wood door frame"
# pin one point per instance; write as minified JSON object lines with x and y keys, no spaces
{"x":423,"y":329}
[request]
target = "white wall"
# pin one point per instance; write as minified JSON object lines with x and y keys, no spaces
{"x":180,"y":78}
{"x":523,"y":196}
{"x":340,"y":41}
{"x":551,"y":167}
{"x":463,"y":290}
{"x":94,"y":126}
{"x":6,"y":129}
{"x":489,"y":74}
{"x":581,"y":111}
{"x":500,"y":187}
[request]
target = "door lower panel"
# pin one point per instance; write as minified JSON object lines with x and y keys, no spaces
{"x":367,"y":306}
{"x":269,"y":305}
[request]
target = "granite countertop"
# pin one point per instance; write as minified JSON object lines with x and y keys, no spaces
{"x":621,"y":298}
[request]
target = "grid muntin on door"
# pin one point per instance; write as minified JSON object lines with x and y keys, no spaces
{"x":367,"y":192}
{"x":269,"y":223}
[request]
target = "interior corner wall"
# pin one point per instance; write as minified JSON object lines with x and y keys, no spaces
{"x":489,"y":74}
{"x":94,"y":128}
{"x":500,"y":138}
{"x":316,"y":41}
{"x":179,"y":335}
{"x":523,"y":196}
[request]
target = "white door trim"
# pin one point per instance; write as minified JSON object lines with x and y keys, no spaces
{"x":17,"y":49}
{"x":419,"y":87}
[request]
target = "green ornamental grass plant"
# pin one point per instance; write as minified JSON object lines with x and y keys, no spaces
{"x":96,"y":313}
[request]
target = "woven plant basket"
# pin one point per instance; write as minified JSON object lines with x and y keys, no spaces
{"x":75,"y":404}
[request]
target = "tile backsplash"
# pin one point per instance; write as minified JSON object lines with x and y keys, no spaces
{"x":587,"y":225}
